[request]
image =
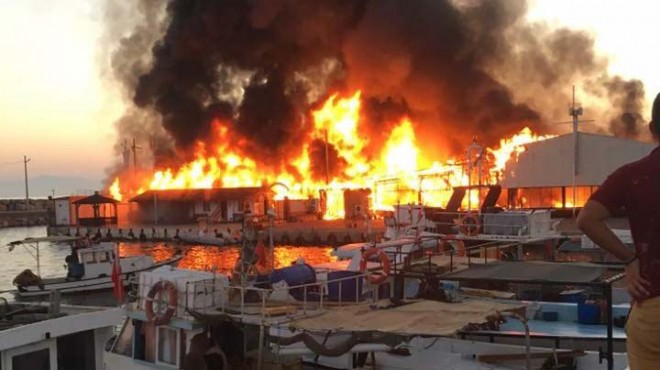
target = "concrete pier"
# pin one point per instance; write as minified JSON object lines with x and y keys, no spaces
{"x":322,"y":233}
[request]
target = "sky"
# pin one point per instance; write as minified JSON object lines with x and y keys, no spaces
{"x":56,"y":108}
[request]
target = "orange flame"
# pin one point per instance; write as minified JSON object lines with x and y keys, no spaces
{"x":394,"y":174}
{"x":115,"y":191}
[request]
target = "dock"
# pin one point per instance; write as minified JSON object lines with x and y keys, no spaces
{"x":317,"y":232}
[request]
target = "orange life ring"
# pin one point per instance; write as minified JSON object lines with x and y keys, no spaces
{"x":384,"y":262}
{"x":157,"y":289}
{"x":470,"y":224}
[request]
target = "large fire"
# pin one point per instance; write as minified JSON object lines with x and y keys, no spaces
{"x":394,"y":174}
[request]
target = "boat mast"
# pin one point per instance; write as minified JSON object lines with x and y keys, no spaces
{"x":575,"y":112}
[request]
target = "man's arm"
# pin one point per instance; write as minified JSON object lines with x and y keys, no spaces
{"x":591,"y":221}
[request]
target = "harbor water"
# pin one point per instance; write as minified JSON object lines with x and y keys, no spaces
{"x":195,"y":257}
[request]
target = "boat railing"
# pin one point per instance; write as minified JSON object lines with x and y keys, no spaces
{"x":403,"y":259}
{"x":512,"y":224}
{"x":284,"y":301}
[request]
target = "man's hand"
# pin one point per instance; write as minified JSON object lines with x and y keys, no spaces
{"x":637,"y":286}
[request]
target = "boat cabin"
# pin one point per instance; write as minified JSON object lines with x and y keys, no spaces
{"x":155,"y":337}
{"x":67,"y":337}
{"x":93,"y":261}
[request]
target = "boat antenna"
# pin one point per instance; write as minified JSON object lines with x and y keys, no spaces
{"x":575,"y":112}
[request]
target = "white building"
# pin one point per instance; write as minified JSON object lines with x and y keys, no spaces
{"x":547,"y":172}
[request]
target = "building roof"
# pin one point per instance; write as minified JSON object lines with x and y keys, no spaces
{"x":187,"y":195}
{"x":96,"y":198}
{"x":549,"y":163}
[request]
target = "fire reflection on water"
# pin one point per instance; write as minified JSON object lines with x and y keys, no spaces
{"x":222,"y":259}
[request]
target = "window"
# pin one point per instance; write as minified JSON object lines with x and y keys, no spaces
{"x":88,"y":258}
{"x":103,"y":256}
{"x":35,"y":360}
{"x":206,"y":206}
{"x":167,"y":346}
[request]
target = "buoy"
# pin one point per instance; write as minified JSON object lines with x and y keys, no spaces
{"x":470,"y":224}
{"x":384,"y":263}
{"x":157,"y":290}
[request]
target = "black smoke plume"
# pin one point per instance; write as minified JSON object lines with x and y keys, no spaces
{"x":458,"y":69}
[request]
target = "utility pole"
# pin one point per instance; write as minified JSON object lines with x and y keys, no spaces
{"x":27,"y":196}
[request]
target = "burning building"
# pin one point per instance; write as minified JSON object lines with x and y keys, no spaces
{"x":186,"y":206}
{"x":564,"y":171}
{"x":324,"y":97}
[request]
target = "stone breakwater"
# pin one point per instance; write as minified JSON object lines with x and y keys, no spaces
{"x":13,"y":212}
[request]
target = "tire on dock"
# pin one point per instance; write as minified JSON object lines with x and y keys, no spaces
{"x":316,"y":239}
{"x":300,"y":240}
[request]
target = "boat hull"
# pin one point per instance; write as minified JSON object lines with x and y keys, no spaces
{"x":84,"y":285}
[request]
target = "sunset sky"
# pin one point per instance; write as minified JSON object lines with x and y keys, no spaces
{"x":56,"y":108}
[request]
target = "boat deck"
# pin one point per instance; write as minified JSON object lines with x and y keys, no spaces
{"x":554,"y":329}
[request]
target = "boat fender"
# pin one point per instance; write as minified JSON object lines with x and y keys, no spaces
{"x":332,"y":239}
{"x":285,"y":239}
{"x":300,"y":240}
{"x":316,"y":239}
{"x":470,"y":224}
{"x":384,"y":262}
{"x":157,"y":290}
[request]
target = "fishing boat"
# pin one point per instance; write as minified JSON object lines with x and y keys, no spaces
{"x":54,"y":336}
{"x":352,"y":319}
{"x":89,"y":268}
{"x":183,"y":317}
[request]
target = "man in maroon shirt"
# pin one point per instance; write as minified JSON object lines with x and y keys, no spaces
{"x":634,"y":187}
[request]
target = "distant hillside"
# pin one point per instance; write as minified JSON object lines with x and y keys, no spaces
{"x":43,"y":186}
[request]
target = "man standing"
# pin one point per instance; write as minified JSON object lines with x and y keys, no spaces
{"x":634,"y":187}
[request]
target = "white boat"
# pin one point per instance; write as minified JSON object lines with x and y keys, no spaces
{"x":405,"y":231}
{"x":183,"y":317}
{"x":54,"y":336}
{"x":88,"y":268}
